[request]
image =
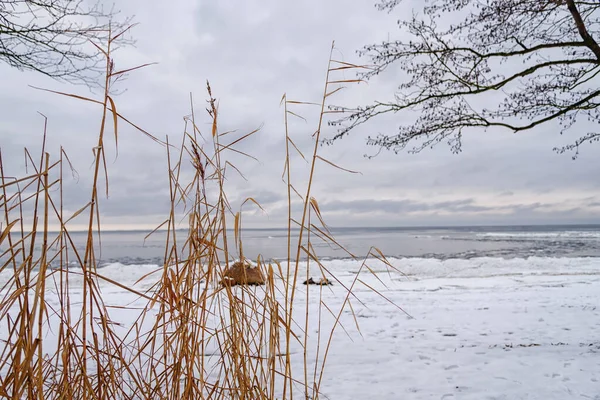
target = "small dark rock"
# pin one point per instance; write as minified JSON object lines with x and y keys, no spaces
{"x":320,"y":282}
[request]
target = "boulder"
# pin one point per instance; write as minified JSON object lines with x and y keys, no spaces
{"x":241,"y":273}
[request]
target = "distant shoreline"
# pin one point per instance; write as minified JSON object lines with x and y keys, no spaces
{"x":381,"y":228}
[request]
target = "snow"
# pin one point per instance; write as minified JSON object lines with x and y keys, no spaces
{"x":476,"y":329}
{"x":477,"y":338}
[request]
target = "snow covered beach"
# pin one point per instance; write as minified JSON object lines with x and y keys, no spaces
{"x":484,"y":328}
{"x":517,"y":334}
{"x":533,"y":337}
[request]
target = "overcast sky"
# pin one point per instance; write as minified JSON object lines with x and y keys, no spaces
{"x":253,"y":52}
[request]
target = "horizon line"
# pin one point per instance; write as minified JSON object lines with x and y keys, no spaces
{"x":360,"y":227}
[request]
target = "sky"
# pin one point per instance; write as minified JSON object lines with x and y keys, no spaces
{"x":253,"y":52}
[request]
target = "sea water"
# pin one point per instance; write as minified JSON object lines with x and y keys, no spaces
{"x":421,"y":252}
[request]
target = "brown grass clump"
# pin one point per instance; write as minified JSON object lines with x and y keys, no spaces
{"x":187,"y":337}
{"x":242,"y":273}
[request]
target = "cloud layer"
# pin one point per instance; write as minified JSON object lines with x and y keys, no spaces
{"x":252,"y":53}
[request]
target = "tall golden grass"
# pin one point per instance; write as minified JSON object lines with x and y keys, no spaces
{"x":193,"y":338}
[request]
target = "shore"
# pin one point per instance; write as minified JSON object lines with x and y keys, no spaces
{"x":511,"y":336}
{"x":533,"y":337}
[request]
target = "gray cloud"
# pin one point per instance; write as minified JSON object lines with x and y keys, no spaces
{"x":402,"y":206}
{"x":252,"y":53}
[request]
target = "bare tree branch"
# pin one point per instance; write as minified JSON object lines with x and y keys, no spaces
{"x":583,"y":32}
{"x":534,"y":61}
{"x":57,"y":38}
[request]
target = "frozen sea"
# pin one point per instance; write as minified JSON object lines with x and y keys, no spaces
{"x":441,"y":243}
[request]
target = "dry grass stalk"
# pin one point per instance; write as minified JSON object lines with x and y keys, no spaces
{"x":194,"y":338}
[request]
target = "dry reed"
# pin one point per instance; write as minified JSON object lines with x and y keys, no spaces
{"x":193,"y":338}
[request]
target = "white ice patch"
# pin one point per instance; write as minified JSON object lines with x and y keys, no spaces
{"x":593,"y":235}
